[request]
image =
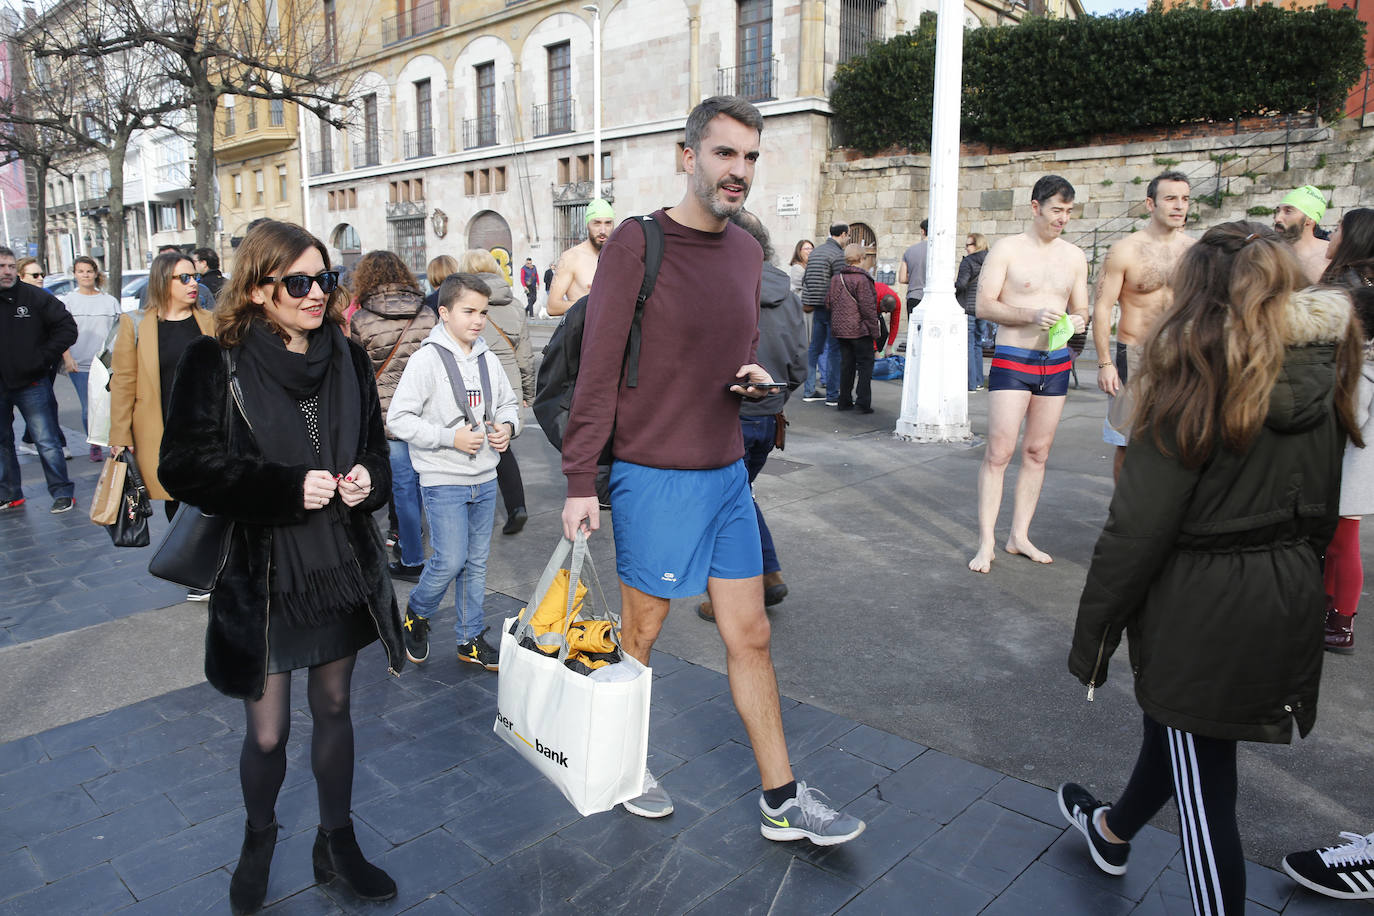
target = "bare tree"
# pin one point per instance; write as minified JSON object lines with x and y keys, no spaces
{"x":87,"y":87}
{"x":40,"y":148}
{"x":257,"y":49}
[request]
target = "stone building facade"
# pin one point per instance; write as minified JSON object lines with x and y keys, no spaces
{"x":475,"y":130}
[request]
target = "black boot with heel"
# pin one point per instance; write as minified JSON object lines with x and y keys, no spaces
{"x":248,"y":887}
{"x":337,"y":855}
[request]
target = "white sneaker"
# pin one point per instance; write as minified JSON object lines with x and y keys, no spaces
{"x":654,"y":802}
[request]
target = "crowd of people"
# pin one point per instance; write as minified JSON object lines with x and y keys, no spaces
{"x":1239,"y":404}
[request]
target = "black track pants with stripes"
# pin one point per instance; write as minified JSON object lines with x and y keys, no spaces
{"x":1200,"y":773}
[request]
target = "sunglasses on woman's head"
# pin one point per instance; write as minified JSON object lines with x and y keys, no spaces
{"x":298,"y":285}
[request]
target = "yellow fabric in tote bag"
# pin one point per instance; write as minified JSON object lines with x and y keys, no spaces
{"x":549,"y":616}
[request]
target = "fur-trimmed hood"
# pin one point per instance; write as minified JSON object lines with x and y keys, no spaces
{"x":1316,"y":315}
{"x":1316,"y":320}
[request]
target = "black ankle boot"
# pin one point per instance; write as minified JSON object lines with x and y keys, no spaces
{"x":337,"y":854}
{"x":248,"y":887}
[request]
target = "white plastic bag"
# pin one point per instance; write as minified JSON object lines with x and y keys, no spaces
{"x":589,"y":738}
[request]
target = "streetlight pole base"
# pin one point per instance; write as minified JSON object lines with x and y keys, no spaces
{"x":935,"y":399}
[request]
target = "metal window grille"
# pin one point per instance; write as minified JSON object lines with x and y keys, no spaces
{"x":276,"y":112}
{"x":569,"y":225}
{"x":861,"y":24}
{"x":408,"y":241}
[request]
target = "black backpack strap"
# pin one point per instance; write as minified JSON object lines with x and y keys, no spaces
{"x":653,"y":259}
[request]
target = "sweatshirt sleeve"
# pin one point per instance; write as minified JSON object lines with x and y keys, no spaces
{"x":606,"y":330}
{"x":415,"y":393}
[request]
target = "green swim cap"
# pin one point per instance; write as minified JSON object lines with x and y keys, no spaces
{"x":1307,"y":199}
{"x":599,"y":209}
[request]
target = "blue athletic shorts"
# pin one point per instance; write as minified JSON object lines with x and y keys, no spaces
{"x":1044,"y":373}
{"x":674,"y":529}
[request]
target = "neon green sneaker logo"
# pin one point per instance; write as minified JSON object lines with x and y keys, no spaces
{"x":775,"y":823}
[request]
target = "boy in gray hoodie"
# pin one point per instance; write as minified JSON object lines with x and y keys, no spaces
{"x":457,"y":411}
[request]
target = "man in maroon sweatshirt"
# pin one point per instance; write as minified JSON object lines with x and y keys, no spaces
{"x":683,"y":516}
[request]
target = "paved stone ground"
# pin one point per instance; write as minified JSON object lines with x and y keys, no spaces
{"x":124,"y":797}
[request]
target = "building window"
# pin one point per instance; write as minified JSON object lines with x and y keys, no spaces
{"x":569,"y":225}
{"x":424,"y":120}
{"x":861,"y":24}
{"x":370,"y":153}
{"x":276,"y":112}
{"x":282,"y":191}
{"x":753,"y":78}
{"x":564,"y":170}
{"x":353,"y":198}
{"x":331,"y":33}
{"x":469,"y":183}
{"x":229,"y":116}
{"x":481,"y":131}
{"x":408,"y":241}
{"x":498,"y":179}
{"x":607,"y":171}
{"x":252,"y":114}
{"x":584,"y":168}
{"x":259,"y":186}
{"x":238,"y":189}
{"x":326,"y":150}
{"x":558,"y":114}
{"x":166,"y":218}
{"x":484,"y":181}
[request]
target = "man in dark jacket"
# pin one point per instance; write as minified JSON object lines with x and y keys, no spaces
{"x":35,"y":330}
{"x":824,"y":351}
{"x":782,"y":351}
{"x":207,"y":268}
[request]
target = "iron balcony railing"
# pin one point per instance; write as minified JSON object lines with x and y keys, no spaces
{"x":419,"y":143}
{"x":478,"y":132}
{"x":424,"y":16}
{"x":321,"y":161}
{"x":366,"y":152}
{"x":752,"y":81}
{"x":555,"y":117}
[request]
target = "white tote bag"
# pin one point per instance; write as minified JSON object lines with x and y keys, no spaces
{"x":98,"y":392}
{"x":589,"y":738}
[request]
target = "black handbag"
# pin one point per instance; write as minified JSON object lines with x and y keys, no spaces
{"x":196,"y":546}
{"x":130,"y":528}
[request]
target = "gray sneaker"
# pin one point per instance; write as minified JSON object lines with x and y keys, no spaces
{"x":654,"y":802}
{"x":808,"y":817}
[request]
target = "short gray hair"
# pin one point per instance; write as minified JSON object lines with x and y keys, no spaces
{"x":752,"y":225}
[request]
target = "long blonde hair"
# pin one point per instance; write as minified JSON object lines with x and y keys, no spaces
{"x":1208,"y":372}
{"x":478,"y":261}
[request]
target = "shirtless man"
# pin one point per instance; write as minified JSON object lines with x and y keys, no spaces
{"x":1028,"y":282}
{"x":1295,"y":218}
{"x":1136,"y":274}
{"x":572,"y":277}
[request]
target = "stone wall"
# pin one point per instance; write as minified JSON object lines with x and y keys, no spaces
{"x":1231,"y":174}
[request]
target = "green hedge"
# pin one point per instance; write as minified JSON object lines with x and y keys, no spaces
{"x":1048,"y":82}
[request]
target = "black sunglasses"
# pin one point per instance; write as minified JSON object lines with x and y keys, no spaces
{"x":186,"y":279}
{"x":298,"y":285}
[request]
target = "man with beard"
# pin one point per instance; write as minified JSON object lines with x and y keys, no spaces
{"x":683,"y":516}
{"x":1295,"y":218}
{"x":1136,"y":274}
{"x":572,"y":276}
{"x":1028,"y":282}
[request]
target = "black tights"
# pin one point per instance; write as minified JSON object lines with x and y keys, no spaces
{"x":262,"y":763}
{"x":1200,"y":774}
{"x":509,"y":480}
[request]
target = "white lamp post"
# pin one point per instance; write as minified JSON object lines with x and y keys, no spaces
{"x":596,"y":98}
{"x":934,"y":389}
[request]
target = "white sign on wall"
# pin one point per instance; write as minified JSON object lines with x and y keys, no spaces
{"x":789,"y":205}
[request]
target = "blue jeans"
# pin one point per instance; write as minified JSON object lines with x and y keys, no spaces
{"x":405,"y":493}
{"x":975,"y":356}
{"x":818,"y":353}
{"x":37,"y":406}
{"x":460,"y":519}
{"x":79,"y":382}
{"x":759,"y":433}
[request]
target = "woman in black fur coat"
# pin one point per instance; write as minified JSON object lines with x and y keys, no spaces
{"x":276,"y":425}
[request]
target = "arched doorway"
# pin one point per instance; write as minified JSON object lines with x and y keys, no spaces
{"x":861,"y":234}
{"x":350,"y":244}
{"x":490,"y":230}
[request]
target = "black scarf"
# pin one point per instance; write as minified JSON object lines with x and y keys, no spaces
{"x":316,"y":577}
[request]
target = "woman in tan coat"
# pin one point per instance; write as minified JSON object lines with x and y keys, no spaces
{"x":144,"y":363}
{"x":507,"y":334}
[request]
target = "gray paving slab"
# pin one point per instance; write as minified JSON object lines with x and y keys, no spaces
{"x":925,"y":699}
